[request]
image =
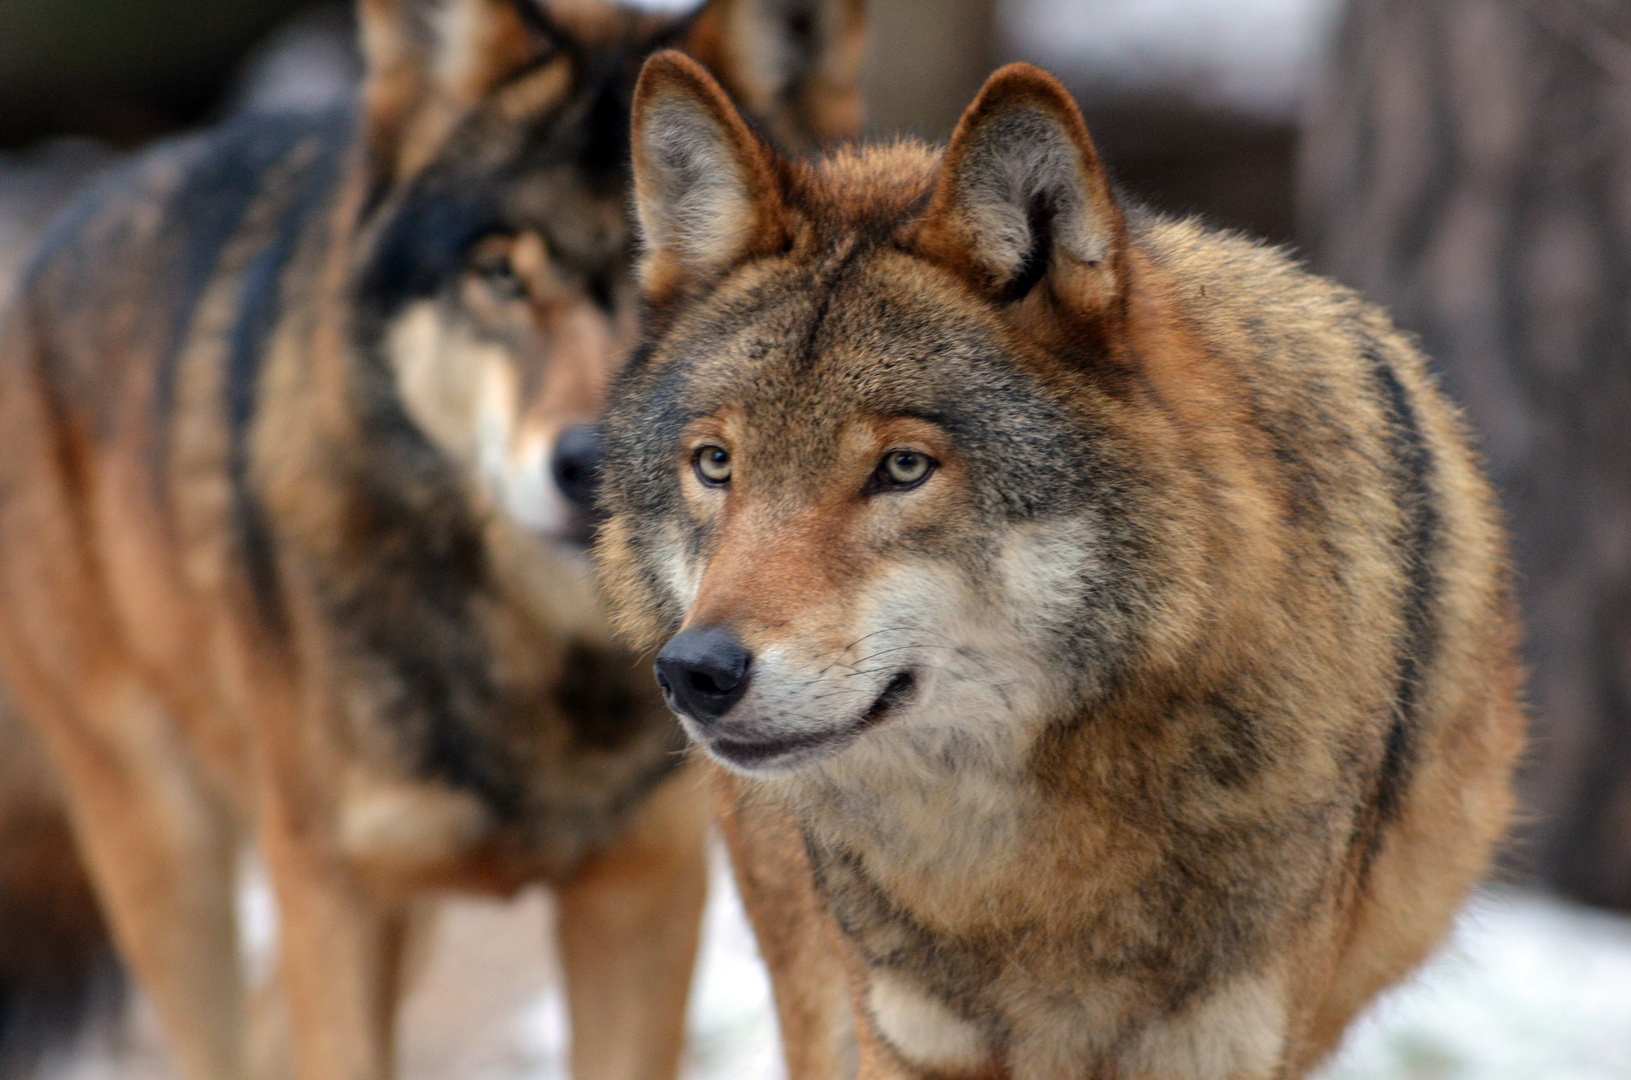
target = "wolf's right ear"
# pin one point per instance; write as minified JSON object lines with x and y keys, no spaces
{"x":795,"y":65}
{"x":706,"y":189}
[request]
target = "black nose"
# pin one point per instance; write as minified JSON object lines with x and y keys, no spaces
{"x":703,"y":673}
{"x":577,"y":464}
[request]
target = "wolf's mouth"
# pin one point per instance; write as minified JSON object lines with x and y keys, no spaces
{"x":792,"y":750}
{"x":900,"y":690}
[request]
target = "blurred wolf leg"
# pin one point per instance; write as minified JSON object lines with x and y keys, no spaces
{"x":629,"y":921}
{"x":338,"y":958}
{"x":161,"y":849}
{"x":58,"y":967}
{"x":268,"y":1037}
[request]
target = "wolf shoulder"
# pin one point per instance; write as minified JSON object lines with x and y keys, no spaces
{"x":1325,"y":374}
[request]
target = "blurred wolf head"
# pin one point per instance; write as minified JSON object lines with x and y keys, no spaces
{"x":491,"y":268}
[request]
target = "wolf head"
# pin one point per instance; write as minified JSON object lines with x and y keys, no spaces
{"x":489,"y":276}
{"x":879,"y":472}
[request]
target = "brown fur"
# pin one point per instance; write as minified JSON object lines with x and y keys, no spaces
{"x":1169,"y":716}
{"x":270,"y":571}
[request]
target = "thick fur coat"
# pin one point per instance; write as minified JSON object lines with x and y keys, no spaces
{"x":1102,"y":625}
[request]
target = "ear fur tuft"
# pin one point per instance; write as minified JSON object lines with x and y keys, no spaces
{"x":1022,"y":196}
{"x":705,"y":186}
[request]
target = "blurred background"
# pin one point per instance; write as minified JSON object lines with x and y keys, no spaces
{"x":1466,"y":162}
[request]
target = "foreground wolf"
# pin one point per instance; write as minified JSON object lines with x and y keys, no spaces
{"x":1103,"y":625}
{"x":296,"y":472}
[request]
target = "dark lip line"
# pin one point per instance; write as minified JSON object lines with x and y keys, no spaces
{"x":899,"y":687}
{"x":753,"y":753}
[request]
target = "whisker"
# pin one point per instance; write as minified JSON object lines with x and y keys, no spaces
{"x":840,"y":653}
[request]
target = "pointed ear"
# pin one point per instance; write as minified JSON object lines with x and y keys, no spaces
{"x":795,"y":65}
{"x":706,"y":189}
{"x":1022,"y":199}
{"x":427,"y":62}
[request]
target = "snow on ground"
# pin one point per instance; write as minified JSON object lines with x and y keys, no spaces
{"x":1529,"y":988}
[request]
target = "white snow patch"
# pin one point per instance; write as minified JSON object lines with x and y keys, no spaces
{"x":257,"y":917}
{"x":1529,"y":988}
{"x":543,"y":1039}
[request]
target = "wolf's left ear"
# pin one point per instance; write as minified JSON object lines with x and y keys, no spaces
{"x":795,"y":65}
{"x":1022,"y":200}
{"x":706,"y":189}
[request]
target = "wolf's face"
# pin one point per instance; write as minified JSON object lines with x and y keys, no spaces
{"x":865,"y":499}
{"x":492,"y":280}
{"x":496,"y":279}
{"x":867,"y":518}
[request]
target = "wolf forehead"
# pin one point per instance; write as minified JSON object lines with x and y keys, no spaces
{"x":548,"y":151}
{"x":800,"y":350}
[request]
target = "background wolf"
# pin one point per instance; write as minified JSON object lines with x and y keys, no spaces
{"x":1104,"y":624}
{"x":291,"y":511}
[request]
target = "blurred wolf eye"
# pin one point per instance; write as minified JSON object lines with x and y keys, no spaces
{"x":492,"y":261}
{"x":901,"y":469}
{"x":713,"y":464}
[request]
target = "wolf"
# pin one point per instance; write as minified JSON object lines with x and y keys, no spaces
{"x":299,"y":460}
{"x":58,"y":969}
{"x":1100,"y":627}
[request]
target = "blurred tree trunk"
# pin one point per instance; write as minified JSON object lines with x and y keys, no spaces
{"x":928,"y":59}
{"x":1468,"y":163}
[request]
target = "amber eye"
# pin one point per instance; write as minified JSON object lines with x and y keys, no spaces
{"x":903,"y":469}
{"x":713,"y":464}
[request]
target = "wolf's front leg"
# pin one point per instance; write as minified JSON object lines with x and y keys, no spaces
{"x":629,"y":921}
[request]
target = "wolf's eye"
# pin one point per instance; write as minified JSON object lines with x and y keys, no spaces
{"x":493,"y":262}
{"x":503,"y":280}
{"x":713,"y":464}
{"x":901,"y":469}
